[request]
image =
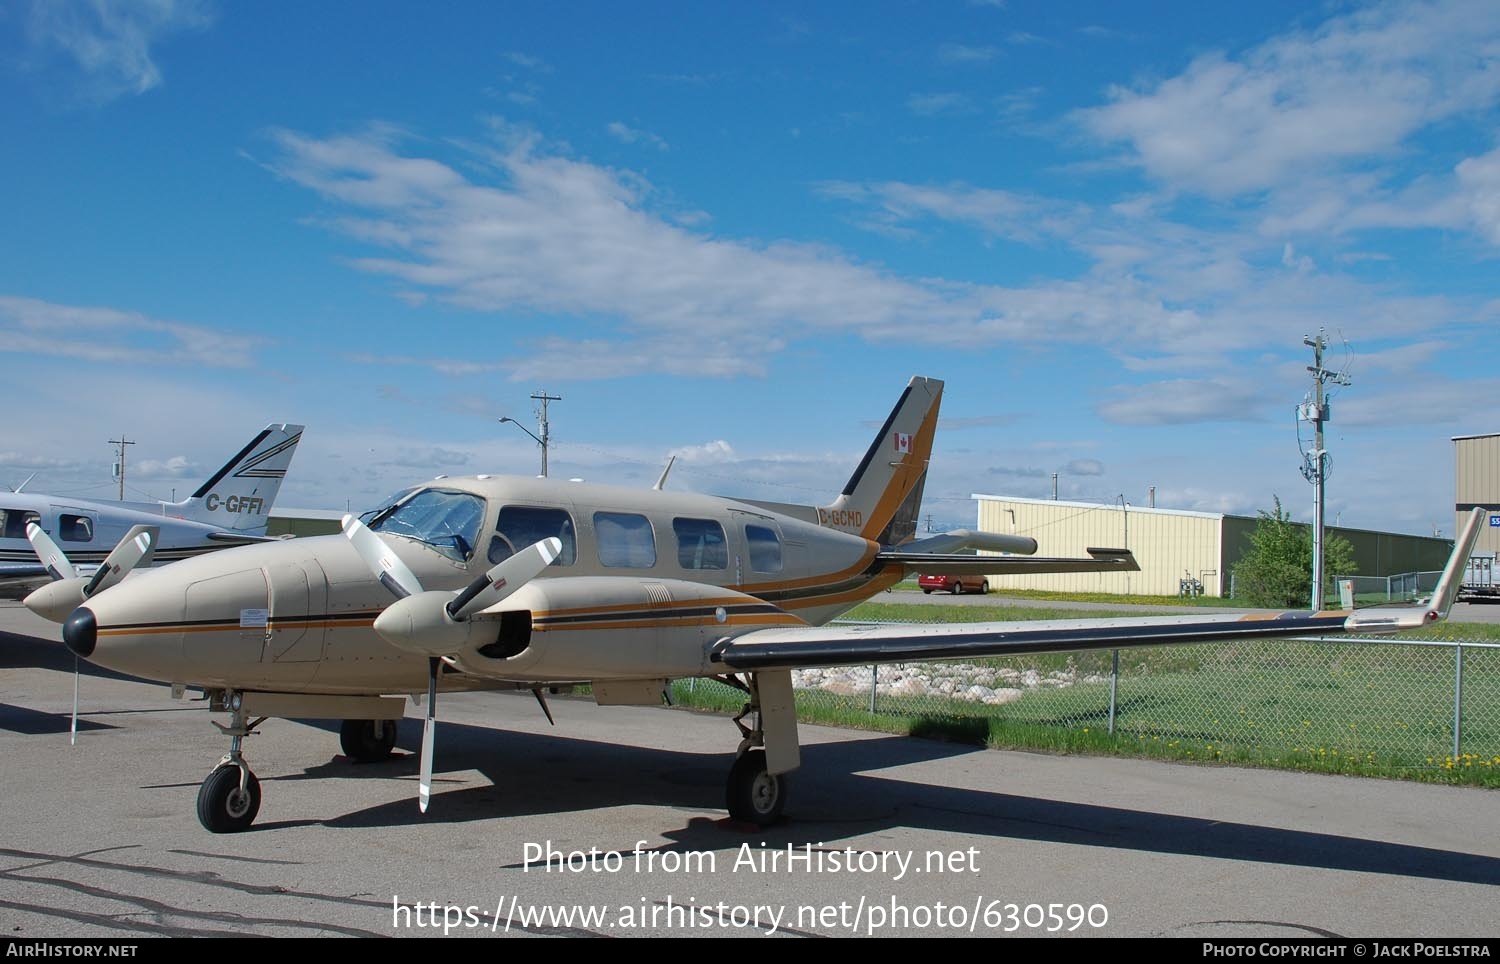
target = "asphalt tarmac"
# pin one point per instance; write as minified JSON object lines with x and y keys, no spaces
{"x":884,"y":835}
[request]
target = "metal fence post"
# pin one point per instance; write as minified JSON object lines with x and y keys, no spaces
{"x":874,"y":682}
{"x":1458,"y":699}
{"x":1114,"y":679}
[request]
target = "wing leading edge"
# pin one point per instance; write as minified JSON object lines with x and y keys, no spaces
{"x":790,"y":648}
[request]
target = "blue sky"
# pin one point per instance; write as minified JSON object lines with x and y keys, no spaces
{"x":732,"y":232}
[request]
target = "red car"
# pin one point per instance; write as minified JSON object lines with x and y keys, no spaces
{"x":954,"y":584}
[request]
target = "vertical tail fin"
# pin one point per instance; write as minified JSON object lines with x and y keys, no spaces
{"x":238,"y":497}
{"x":884,"y":495}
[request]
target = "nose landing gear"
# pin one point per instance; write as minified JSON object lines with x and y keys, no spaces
{"x":229,"y":798}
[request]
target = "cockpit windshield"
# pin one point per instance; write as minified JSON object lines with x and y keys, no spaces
{"x":446,"y":520}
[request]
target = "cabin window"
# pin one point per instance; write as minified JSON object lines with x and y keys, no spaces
{"x":13,"y":522}
{"x":524,"y":525}
{"x":700,"y":544}
{"x":624,"y":540}
{"x":444,"y":519}
{"x":765,"y":549}
{"x":75,"y":528}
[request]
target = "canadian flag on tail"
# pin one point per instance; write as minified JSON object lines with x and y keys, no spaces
{"x":903,"y":442}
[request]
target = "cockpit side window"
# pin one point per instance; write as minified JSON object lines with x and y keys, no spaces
{"x":74,"y":528}
{"x":700,"y":544}
{"x":624,"y":539}
{"x":13,"y":522}
{"x":522,"y":525}
{"x":444,"y":519}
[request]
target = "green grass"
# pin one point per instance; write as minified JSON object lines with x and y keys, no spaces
{"x":1046,"y":595}
{"x":876,"y":611}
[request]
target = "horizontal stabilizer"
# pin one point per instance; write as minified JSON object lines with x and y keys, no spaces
{"x":960,"y":539}
{"x":940,"y":563}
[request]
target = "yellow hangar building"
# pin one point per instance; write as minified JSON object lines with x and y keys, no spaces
{"x":1174,"y":547}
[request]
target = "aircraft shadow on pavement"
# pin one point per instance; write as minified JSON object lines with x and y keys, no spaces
{"x":830,"y":797}
{"x":18,"y":651}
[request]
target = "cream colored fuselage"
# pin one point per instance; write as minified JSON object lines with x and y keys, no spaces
{"x":296,"y":616}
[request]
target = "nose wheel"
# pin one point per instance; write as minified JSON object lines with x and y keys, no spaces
{"x":229,"y":799}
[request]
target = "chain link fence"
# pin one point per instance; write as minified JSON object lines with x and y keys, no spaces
{"x":1351,"y":704}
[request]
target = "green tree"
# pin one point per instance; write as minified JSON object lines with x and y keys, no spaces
{"x":1277,"y":570}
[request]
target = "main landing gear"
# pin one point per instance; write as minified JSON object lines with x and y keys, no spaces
{"x":755,"y":794}
{"x":230,"y":798}
{"x":368,"y":741}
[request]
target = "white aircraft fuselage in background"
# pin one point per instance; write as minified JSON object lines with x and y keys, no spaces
{"x":231,"y":507}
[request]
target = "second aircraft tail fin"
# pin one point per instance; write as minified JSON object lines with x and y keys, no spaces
{"x":238,"y":497}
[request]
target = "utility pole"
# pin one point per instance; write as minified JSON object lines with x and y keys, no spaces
{"x":122,"y":441}
{"x":1315,"y":463}
{"x":544,"y":398}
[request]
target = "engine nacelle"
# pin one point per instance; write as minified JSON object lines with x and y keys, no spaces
{"x":610,"y":627}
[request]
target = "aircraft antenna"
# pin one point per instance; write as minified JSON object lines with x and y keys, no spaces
{"x":122,"y":441}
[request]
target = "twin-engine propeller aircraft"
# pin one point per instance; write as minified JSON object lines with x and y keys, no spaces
{"x":520,"y":583}
{"x":230,"y":508}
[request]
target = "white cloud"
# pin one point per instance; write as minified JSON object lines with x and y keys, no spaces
{"x":586,"y":279}
{"x":629,"y":135}
{"x":1300,"y":263}
{"x":176,"y":467}
{"x":997,"y":212}
{"x":966,"y":54}
{"x":1441,"y":403}
{"x":1309,"y":102}
{"x":1479,"y":178}
{"x":931,"y":105}
{"x":108,"y":335}
{"x":716,"y":451}
{"x":1185,"y":401}
{"x":111,"y":41}
{"x":1084,"y":467}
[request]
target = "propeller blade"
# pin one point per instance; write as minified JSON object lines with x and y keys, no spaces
{"x":136,"y":549}
{"x":541,"y":699}
{"x":382,"y":559}
{"x":53,"y":558}
{"x":504,"y":579}
{"x":73,"y":729}
{"x":429,"y":728}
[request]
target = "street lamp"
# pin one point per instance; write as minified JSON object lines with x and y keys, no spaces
{"x":507,"y":418}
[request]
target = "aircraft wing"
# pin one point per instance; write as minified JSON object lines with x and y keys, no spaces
{"x":796,"y":647}
{"x":1099,"y":560}
{"x":793,"y":647}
